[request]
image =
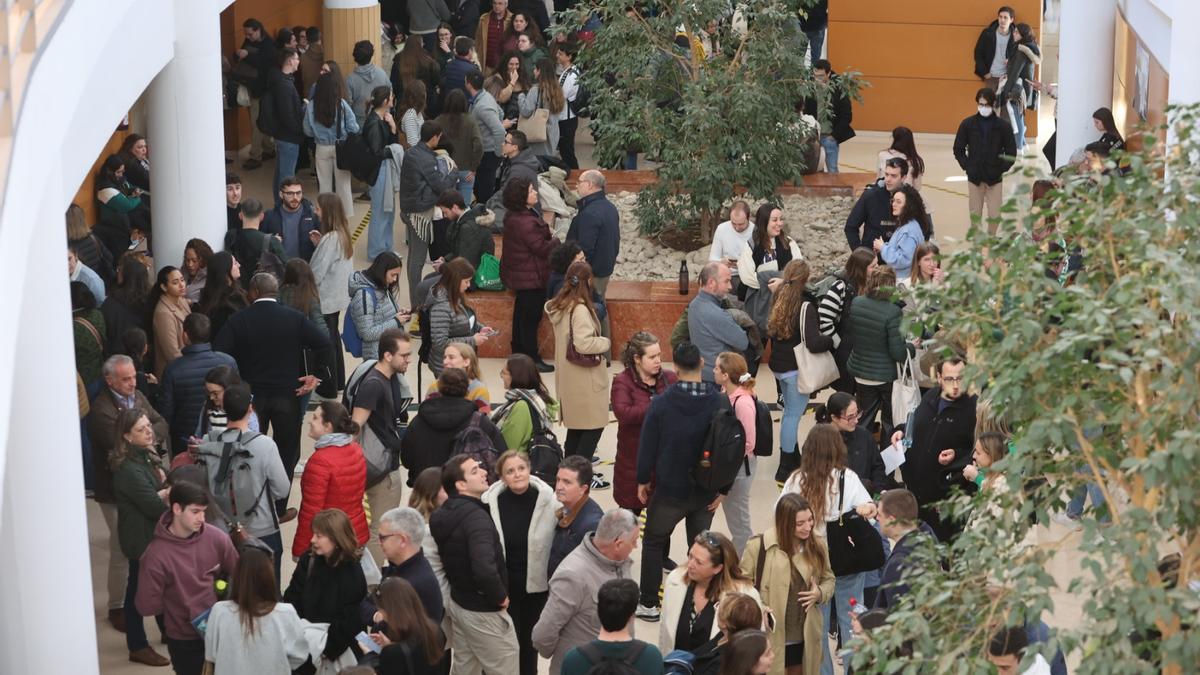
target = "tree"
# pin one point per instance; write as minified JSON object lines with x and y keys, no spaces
{"x":1098,"y":379}
{"x":713,"y":118}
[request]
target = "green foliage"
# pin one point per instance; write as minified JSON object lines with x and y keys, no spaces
{"x":1098,"y":379}
{"x":712,"y":124}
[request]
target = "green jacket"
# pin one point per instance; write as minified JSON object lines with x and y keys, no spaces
{"x":873,"y":328}
{"x":136,"y":485}
{"x":89,"y":346}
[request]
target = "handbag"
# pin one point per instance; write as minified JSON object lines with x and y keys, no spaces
{"x":813,"y":371}
{"x":906,"y":392}
{"x":573,"y":356}
{"x":854,"y":544}
{"x":534,"y":126}
{"x":487,"y":274}
{"x":354,"y":155}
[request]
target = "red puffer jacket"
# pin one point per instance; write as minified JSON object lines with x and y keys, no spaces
{"x":335,"y":477}
{"x":525,"y":258}
{"x":630,"y":401}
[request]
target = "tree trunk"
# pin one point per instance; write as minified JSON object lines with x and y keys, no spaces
{"x":708,"y":223}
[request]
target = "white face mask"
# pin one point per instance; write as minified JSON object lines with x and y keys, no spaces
{"x":985,"y":110}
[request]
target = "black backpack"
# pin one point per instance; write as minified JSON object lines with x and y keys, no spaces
{"x":544,"y":452}
{"x":724,"y":452}
{"x":472,"y":440}
{"x":764,"y":432}
{"x":611,"y":665}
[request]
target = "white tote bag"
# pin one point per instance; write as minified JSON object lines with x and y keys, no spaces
{"x":813,"y":371}
{"x":906,"y":394}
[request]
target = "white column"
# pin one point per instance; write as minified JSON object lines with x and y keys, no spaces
{"x":1085,"y":70}
{"x":186,"y":135}
{"x":1184,"y":85}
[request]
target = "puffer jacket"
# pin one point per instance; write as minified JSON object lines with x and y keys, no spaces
{"x":541,"y":530}
{"x":470,"y":236}
{"x":429,"y":440}
{"x":526,"y":246}
{"x":373,"y":310}
{"x":472,"y":556}
{"x":630,"y":401}
{"x":182,"y":395}
{"x":335,"y":477}
{"x":421,"y":180}
{"x":873,"y":327}
{"x":446,"y":326}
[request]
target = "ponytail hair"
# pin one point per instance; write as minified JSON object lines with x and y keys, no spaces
{"x":336,"y":415}
{"x":734,"y":365}
{"x":836,"y":406}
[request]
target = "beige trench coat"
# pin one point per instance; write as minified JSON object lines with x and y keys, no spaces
{"x":582,"y":392}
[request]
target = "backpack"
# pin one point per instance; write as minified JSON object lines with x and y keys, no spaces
{"x":544,"y":451}
{"x":352,"y":383}
{"x":230,"y":479}
{"x":475,"y":442}
{"x":764,"y":432}
{"x":724,"y":452}
{"x":350,"y":337}
{"x":381,"y":448}
{"x":625,"y":664}
{"x":679,"y":662}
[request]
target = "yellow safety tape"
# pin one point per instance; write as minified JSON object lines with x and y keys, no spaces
{"x":361,"y":226}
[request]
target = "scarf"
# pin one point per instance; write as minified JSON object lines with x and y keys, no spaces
{"x":333,"y":439}
{"x":530,"y":396}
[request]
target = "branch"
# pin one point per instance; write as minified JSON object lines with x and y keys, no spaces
{"x":1089,"y":454}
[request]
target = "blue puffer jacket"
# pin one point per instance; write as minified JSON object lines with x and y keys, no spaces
{"x":597,"y":228}
{"x":181,"y":394}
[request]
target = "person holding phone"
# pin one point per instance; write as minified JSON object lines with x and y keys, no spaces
{"x":408,"y":640}
{"x":451,"y":319}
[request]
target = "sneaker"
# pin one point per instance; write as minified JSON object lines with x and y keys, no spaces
{"x":364,"y":197}
{"x":648,"y":613}
{"x":149,"y":657}
{"x":598,"y":483}
{"x":251,"y":164}
{"x":595,"y":461}
{"x":1066,"y":521}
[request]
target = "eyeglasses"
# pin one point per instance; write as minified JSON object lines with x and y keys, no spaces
{"x":853,"y":418}
{"x":952,"y":380}
{"x":383,"y":536}
{"x":294,"y":193}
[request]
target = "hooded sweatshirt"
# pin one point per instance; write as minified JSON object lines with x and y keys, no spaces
{"x":673,"y":436}
{"x":429,"y":440}
{"x":373,"y":310}
{"x":177,"y":575}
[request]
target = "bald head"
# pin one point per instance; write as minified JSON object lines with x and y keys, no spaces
{"x":715,"y":278}
{"x":590,"y":181}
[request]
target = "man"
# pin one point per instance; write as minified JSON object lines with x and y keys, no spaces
{"x":248,"y":241}
{"x":424,"y":17}
{"x":363,"y":79}
{"x":672,"y":437}
{"x":401,"y":533}
{"x":313,"y":57}
{"x":993,"y":47}
{"x":814,"y":25}
{"x":254,"y":460}
{"x":120,"y":393}
{"x":181,"y":395}
{"x":943,"y":439}
{"x":85,"y":275}
{"x":899,"y":522}
{"x":380,"y":408}
{"x":282,"y":116}
{"x":580,"y":513}
{"x":258,"y":52}
{"x":422,"y":184}
{"x":711,"y":329}
{"x":985,"y":148}
{"x":597,"y":228}
{"x":570,"y":617}
{"x":1006,"y":649}
{"x":469,"y":234}
{"x":455,"y":73}
{"x":267,"y":340}
{"x":436,"y":429}
{"x":492,"y":124}
{"x":178,"y":572}
{"x":473,"y":559}
{"x":518,"y":160}
{"x":292,"y":220}
{"x":832,"y":110}
{"x":871,"y":217}
{"x":233,"y":201}
{"x":731,"y":237}
{"x":464,"y":16}
{"x":489,"y":36}
{"x":616,"y":602}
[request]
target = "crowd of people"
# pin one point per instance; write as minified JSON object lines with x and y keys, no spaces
{"x":197,"y":384}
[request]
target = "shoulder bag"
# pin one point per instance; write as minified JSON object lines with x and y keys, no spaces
{"x":813,"y":371}
{"x":353,"y":154}
{"x":854,"y":544}
{"x":573,"y":356}
{"x":534,"y":126}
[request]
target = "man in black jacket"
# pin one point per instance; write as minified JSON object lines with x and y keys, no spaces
{"x":257,"y":52}
{"x":282,"y":116}
{"x":268,"y":340}
{"x":468,"y":231}
{"x":872,"y":213}
{"x":993,"y":48}
{"x":899,"y":523}
{"x":292,"y":220}
{"x":433,"y":433}
{"x":943,"y":438}
{"x":597,"y":228}
{"x":832,"y":109}
{"x":473,"y":561}
{"x":985,"y":148}
{"x":181,"y":396}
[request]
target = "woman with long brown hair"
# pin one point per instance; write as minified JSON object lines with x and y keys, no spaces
{"x":252,"y":631}
{"x":299,"y":291}
{"x":461,"y":135}
{"x":748,"y":653}
{"x":196,"y":254}
{"x":223,"y":295}
{"x":451,"y":319}
{"x":332,"y":263}
{"x":582,"y":389}
{"x":691,"y":592}
{"x":414,"y":64}
{"x":170,"y":307}
{"x":411,"y":641}
{"x":770,"y":250}
{"x":411,"y":111}
{"x":834,"y":303}
{"x":545,"y":93}
{"x":874,"y":331}
{"x":329,"y":120}
{"x":789,"y":564}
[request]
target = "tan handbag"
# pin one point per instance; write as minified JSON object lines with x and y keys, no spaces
{"x":534,"y":126}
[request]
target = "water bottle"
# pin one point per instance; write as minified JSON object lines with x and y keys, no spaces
{"x":683,"y":277}
{"x":855,"y":608}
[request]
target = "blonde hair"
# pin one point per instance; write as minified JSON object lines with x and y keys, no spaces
{"x":734,"y":365}
{"x":987,"y":418}
{"x":467,"y":352}
{"x":510,"y":455}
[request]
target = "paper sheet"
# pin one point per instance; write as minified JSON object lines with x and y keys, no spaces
{"x":893,"y":457}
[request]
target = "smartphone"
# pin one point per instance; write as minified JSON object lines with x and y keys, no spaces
{"x":490,"y":332}
{"x":366,"y":641}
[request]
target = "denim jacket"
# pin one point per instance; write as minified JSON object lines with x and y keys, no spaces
{"x":327,"y":135}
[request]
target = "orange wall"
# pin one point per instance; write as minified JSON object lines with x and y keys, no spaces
{"x":918,"y":58}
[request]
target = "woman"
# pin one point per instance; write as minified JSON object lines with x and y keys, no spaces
{"x":451,"y":319}
{"x":831,"y":489}
{"x":332,"y":262}
{"x":525,"y":396}
{"x":88,"y":325}
{"x":516,"y":81}
{"x":127,"y":303}
{"x":141,"y":501}
{"x":328,"y":120}
{"x":373,"y":306}
{"x":462,"y":355}
{"x":196,"y":255}
{"x":909,"y":210}
{"x":904,"y":147}
{"x":990,"y":447}
{"x":212,"y":417}
{"x":1103,"y":121}
{"x":523,"y":509}
{"x":733,"y":377}
{"x":379,"y":131}
{"x":862,"y":452}
{"x":522,"y":24}
{"x":926,"y":266}
{"x":299,"y":291}
{"x":412,"y":64}
{"x":495,"y":84}
{"x":170,"y":309}
{"x":545,"y":93}
{"x":252,"y":632}
{"x":335,"y":476}
{"x":524,"y":265}
{"x":119,"y":199}
{"x":583,"y":390}
{"x":772,"y":249}
{"x":433,"y":435}
{"x":873,"y":329}
{"x":427,"y":494}
{"x":794,"y":320}
{"x":411,"y":642}
{"x":737,"y":612}
{"x":568,"y":123}
{"x":532,"y":52}
{"x":642,"y":379}
{"x":328,"y":584}
{"x":444,"y":53}
{"x":88,"y":248}
{"x":461,"y":135}
{"x":1017,"y":94}
{"x":223,"y":295}
{"x":411,"y":110}
{"x":790,"y":567}
{"x":748,"y":653}
{"x":136,"y":154}
{"x":692,"y":591}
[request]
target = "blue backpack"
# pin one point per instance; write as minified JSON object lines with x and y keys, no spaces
{"x":679,"y":662}
{"x":350,"y":337}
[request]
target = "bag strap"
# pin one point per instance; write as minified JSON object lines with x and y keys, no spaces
{"x":803,"y":319}
{"x":841,"y":493}
{"x":762,"y":562}
{"x":591,"y":652}
{"x":91,"y":329}
{"x":633,"y":652}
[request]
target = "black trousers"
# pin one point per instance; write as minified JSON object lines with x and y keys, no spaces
{"x":873,"y":400}
{"x":527,"y":315}
{"x":525,"y":609}
{"x":663,"y":514}
{"x":329,"y":388}
{"x":485,"y":177}
{"x":566,"y":141}
{"x":283,"y":415}
{"x":582,"y":442}
{"x":187,"y":656}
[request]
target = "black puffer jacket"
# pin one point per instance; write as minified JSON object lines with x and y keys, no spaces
{"x":182,"y":395}
{"x":470,"y":236}
{"x":324,"y":594}
{"x":862,"y":456}
{"x":429,"y":440}
{"x":472,"y":557}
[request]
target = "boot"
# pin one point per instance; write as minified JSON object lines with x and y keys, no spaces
{"x":149,"y":657}
{"x":788,"y":462}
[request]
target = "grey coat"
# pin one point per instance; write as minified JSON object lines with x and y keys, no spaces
{"x":529,"y":102}
{"x":446,"y":326}
{"x":332,"y":272}
{"x":713,"y":330}
{"x":266,"y":475}
{"x":359,"y":84}
{"x":425,"y":15}
{"x":488,"y":116}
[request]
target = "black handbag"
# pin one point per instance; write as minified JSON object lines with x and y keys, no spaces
{"x":854,"y":544}
{"x":355,"y":156}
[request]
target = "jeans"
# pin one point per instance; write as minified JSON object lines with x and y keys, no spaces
{"x":379,"y":229}
{"x":275,"y":541}
{"x":527,"y":314}
{"x":465,"y":187}
{"x":582,"y":442}
{"x":524,"y":609}
{"x":816,"y":42}
{"x":844,"y":588}
{"x":1016,"y":113}
{"x":1082,"y":493}
{"x":187,"y":656}
{"x":630,"y":161}
{"x":566,"y":141}
{"x":332,"y":179}
{"x":794,"y":404}
{"x":418,"y":252}
{"x":283,"y":415}
{"x":135,"y":630}
{"x":485,"y":178}
{"x":663,"y":514}
{"x":288,"y":154}
{"x":831,"y":153}
{"x":737,"y":506}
